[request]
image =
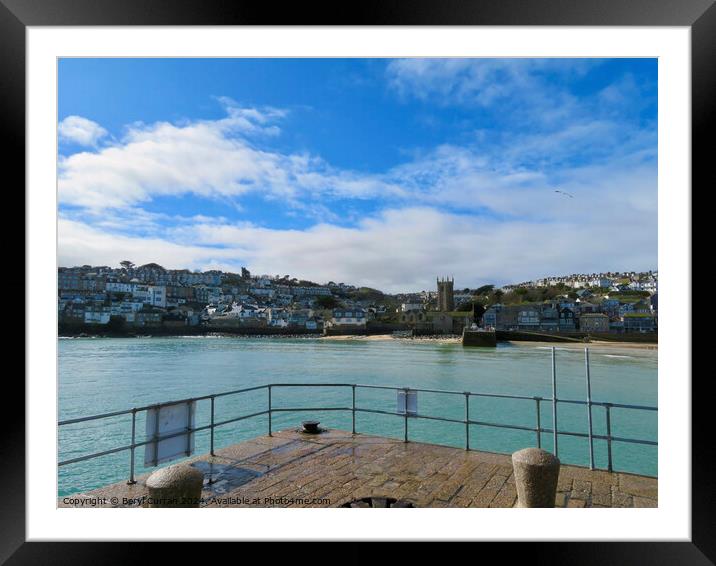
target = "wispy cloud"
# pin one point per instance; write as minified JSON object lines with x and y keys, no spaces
{"x":81,"y":131}
{"x":397,"y":250}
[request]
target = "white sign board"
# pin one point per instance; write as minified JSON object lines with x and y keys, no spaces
{"x":412,"y":402}
{"x":166,"y":420}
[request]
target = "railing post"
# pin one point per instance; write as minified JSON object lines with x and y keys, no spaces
{"x":211,"y":436}
{"x":467,"y":420}
{"x":589,"y":408}
{"x":353,"y":410}
{"x":189,"y":430}
{"x":405,"y":431}
{"x":269,"y":411}
{"x":156,"y":435}
{"x":539,"y":421}
{"x":554,"y":403}
{"x":608,"y":407}
{"x":132,"y":481}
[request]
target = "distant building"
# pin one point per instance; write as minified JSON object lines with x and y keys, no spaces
{"x":528,"y":318}
{"x":412,"y":317}
{"x":594,"y":322}
{"x":446,"y":299}
{"x":352,"y":317}
{"x":637,"y":322}
{"x":501,"y":317}
{"x":566,"y":319}
{"x":654,"y":302}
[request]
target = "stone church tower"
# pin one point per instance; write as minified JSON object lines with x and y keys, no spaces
{"x":446,"y":302}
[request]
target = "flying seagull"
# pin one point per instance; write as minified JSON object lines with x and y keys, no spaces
{"x":563,"y":193}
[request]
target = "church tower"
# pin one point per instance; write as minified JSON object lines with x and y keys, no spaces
{"x":446,"y":302}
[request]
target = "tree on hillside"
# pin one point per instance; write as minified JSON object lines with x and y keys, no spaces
{"x":126,"y":264}
{"x":484,"y":290}
{"x":116,"y":323}
{"x":327,"y":302}
{"x":478,"y":310}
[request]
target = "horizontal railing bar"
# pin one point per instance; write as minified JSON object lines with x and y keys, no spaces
{"x":394,"y":388}
{"x":156,"y":405}
{"x":93,"y":417}
{"x":378,"y":411}
{"x":431,"y":418}
{"x":297,"y":409}
{"x":634,"y":441}
{"x":499,"y":425}
{"x":236,"y":419}
{"x":236,"y":391}
{"x":201,"y":398}
{"x":604,"y":404}
{"x":603,"y":437}
{"x":312,"y":385}
{"x":95,"y":455}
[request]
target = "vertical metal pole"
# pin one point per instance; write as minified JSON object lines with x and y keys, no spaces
{"x":188,"y":428}
{"x":354,"y":410}
{"x":554,"y":402}
{"x":269,"y":410}
{"x":405,"y":432}
{"x":589,"y":408}
{"x":211,"y":436}
{"x":467,"y":421}
{"x":132,"y":481}
{"x":539,"y":421}
{"x":608,"y":407}
{"x":156,"y":435}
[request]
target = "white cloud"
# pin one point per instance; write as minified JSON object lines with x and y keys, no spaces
{"x":81,"y":131}
{"x":397,"y":250}
{"x":210,"y":159}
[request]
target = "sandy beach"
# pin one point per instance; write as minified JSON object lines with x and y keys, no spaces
{"x":595,"y":346}
{"x":384,"y":337}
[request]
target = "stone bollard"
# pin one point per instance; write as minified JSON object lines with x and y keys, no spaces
{"x":536,"y":474}
{"x":175,"y":486}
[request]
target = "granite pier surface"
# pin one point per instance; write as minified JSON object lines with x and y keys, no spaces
{"x":334,"y":468}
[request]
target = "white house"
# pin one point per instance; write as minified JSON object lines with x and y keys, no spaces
{"x":118,"y":287}
{"x":353,"y":317}
{"x":97,"y":316}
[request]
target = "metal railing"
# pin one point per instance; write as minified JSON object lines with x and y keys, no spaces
{"x":405,"y":415}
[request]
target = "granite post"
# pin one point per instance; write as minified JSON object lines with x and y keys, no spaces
{"x":175,"y":486}
{"x":536,"y":473}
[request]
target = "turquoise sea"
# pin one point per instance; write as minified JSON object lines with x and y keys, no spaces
{"x":99,"y":375}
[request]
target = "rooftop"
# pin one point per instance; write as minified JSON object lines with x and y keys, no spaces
{"x":294,"y":469}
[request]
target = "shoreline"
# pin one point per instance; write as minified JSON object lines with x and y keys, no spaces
{"x":436,"y":339}
{"x":591,"y":345}
{"x":448,"y":339}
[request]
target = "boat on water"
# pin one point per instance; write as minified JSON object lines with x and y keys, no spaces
{"x":477,"y":336}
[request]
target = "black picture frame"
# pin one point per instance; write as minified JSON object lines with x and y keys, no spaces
{"x":699,"y":15}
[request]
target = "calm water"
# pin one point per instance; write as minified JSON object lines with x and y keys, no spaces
{"x":104,"y":375}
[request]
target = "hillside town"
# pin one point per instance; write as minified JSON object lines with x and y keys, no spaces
{"x":131,"y":296}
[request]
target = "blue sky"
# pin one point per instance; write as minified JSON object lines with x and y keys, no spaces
{"x":371,"y":171}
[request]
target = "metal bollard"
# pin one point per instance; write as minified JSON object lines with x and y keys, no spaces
{"x":175,"y":486}
{"x":536,"y":474}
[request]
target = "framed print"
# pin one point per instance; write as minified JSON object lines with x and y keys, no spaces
{"x":286,"y":264}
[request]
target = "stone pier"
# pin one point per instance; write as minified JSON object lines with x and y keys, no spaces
{"x":294,"y":469}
